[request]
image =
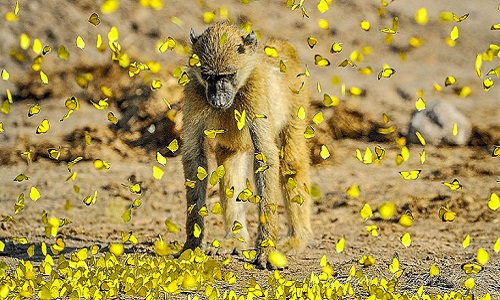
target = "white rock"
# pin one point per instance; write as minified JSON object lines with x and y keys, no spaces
{"x":435,"y":124}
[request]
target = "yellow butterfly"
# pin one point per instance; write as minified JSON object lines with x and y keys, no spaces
{"x":410,"y":175}
{"x":394,"y":266}
{"x":240,"y":118}
{"x":19,"y":205}
{"x":347,"y":62}
{"x":34,"y":193}
{"x":21,"y":177}
{"x":387,"y":130}
{"x":217,"y":175}
{"x":434,"y":271}
{"x":282,"y":66}
{"x":460,"y":19}
{"x":312,"y":41}
{"x":202,"y":173}
{"x":420,"y":138}
{"x":135,"y":188}
{"x":446,"y":214}
{"x":171,"y":227}
{"x":43,"y":127}
{"x":237,"y":227}
{"x":496,"y":151}
{"x":168,"y":44}
{"x":339,"y":246}
{"x":136,"y":203}
{"x":324,"y":152}
{"x":466,"y":241}
{"x":54,"y":153}
{"x":94,"y":19}
{"x":190,"y":183}
{"x":73,"y":162}
{"x":277,"y":259}
{"x":320,"y":61}
{"x":129,"y":237}
{"x":63,"y":53}
{"x":420,"y":104}
{"x":260,"y":156}
{"x":34,"y":109}
{"x":494,"y":202}
{"x":309,"y":132}
{"x":197,"y":230}
{"x":301,"y":113}
{"x":271,"y":51}
{"x":318,"y":118}
{"x":212,"y":133}
{"x":101,"y":104}
{"x":183,"y":80}
{"x":455,"y":185}
{"x":112,"y":118}
{"x":482,"y":256}
{"x":387,"y":210}
{"x":366,"y":212}
{"x":330,"y":100}
{"x":488,"y":83}
{"x":217,"y":209}
{"x":353,"y":192}
{"x":80,"y":43}
{"x":380,"y":152}
{"x":367,"y":158}
{"x":90,"y":199}
{"x":372,"y":229}
{"x":194,"y":60}
{"x":250,"y":254}
{"x":336,"y":47}
{"x":406,"y":240}
{"x":406,"y":219}
{"x":367,"y":260}
{"x":173,"y":146}
{"x":471,"y":268}
{"x":450,"y":80}
{"x":44,"y":77}
{"x":101,"y":165}
{"x":296,"y":91}
{"x":386,"y":73}
{"x":59,"y":245}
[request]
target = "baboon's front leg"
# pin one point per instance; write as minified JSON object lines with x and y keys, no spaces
{"x":236,"y":165}
{"x":267,"y":184}
{"x":295,"y":162}
{"x":194,"y":156}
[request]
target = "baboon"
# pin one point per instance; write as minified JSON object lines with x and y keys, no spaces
{"x":230,"y":78}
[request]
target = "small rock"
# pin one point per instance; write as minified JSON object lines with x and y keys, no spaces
{"x":435,"y":124}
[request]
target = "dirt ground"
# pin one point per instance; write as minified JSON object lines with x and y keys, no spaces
{"x":131,"y":145}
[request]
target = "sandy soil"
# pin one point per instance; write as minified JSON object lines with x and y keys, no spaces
{"x":131,"y":149}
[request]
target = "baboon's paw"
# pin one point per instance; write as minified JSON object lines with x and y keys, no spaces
{"x":229,"y":246}
{"x":292,"y":245}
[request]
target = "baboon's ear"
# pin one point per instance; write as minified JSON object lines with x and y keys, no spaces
{"x":192,"y":36}
{"x":250,"y":40}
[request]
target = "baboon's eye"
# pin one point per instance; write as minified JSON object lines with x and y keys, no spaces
{"x":206,"y":77}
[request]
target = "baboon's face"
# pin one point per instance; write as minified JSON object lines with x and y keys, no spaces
{"x":220,"y":89}
{"x":226,"y":60}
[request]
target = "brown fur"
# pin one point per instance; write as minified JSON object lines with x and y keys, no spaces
{"x":259,"y":88}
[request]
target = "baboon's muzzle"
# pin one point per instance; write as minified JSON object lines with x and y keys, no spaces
{"x":220,"y":93}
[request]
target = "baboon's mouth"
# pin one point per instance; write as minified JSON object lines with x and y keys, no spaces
{"x":221,"y":101}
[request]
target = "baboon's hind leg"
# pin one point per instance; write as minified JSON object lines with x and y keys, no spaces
{"x":294,"y":167}
{"x":236,"y":166}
